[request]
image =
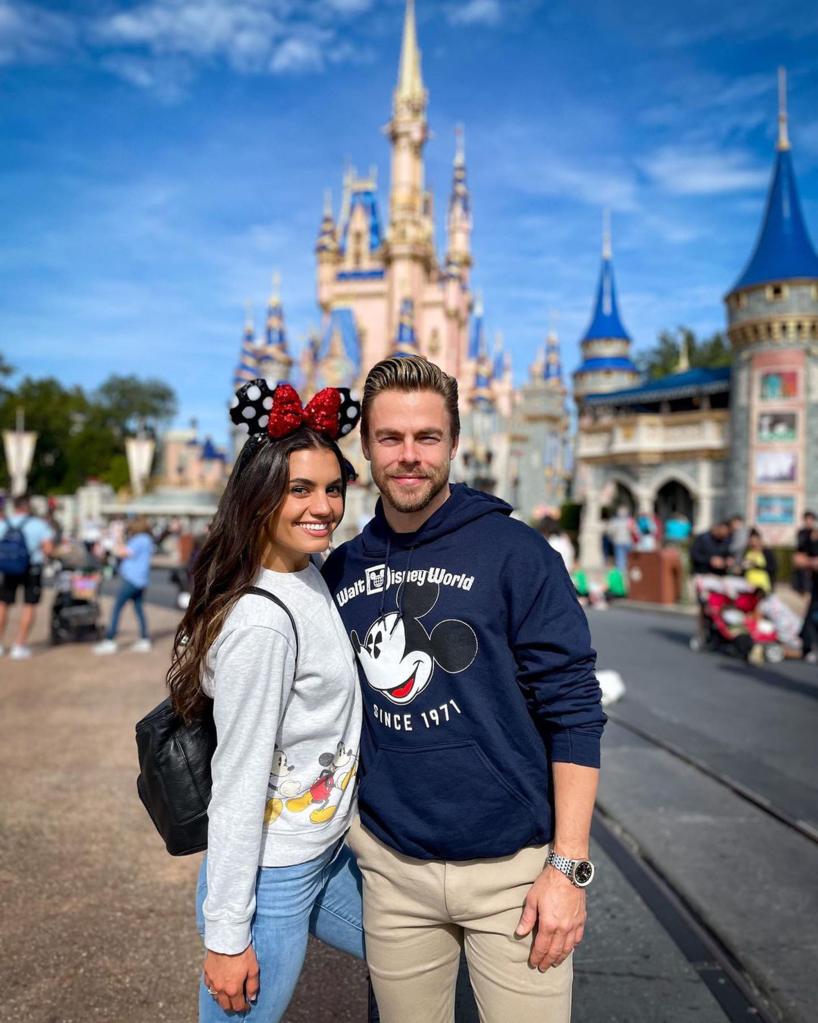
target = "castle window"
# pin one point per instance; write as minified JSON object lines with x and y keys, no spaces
{"x":741,"y":300}
{"x":776,"y":292}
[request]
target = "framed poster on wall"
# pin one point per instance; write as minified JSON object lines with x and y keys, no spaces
{"x":778,"y":385}
{"x":776,"y":426}
{"x":776,"y":467}
{"x":775,"y":509}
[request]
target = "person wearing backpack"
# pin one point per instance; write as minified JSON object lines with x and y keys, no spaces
{"x":263,"y":640}
{"x":25,"y":543}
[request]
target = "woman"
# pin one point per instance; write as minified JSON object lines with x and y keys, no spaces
{"x":135,"y":571}
{"x":287,"y":710}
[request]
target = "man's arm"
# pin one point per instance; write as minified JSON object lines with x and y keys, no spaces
{"x":553,"y":903}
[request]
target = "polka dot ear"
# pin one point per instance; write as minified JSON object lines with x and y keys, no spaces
{"x":349,"y":413}
{"x":249,"y":409}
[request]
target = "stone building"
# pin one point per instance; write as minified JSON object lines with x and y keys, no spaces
{"x":772,"y":317}
{"x":712,"y":443}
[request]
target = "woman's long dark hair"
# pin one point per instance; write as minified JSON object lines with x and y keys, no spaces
{"x":230,"y":557}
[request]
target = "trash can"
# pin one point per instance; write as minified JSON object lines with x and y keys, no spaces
{"x":655,"y":576}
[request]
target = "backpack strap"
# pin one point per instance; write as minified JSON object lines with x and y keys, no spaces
{"x":271,"y":596}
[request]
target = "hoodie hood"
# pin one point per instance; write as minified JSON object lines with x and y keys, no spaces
{"x":463,"y":506}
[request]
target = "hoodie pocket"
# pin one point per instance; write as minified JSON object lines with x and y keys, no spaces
{"x":446,"y":802}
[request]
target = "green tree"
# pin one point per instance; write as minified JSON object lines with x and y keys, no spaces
{"x":702,"y":353}
{"x":128,"y":403}
{"x":82,"y":437}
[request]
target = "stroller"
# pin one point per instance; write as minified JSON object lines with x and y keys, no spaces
{"x":731,"y":621}
{"x":75,"y":612}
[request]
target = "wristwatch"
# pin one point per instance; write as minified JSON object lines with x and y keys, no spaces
{"x":579,"y":872}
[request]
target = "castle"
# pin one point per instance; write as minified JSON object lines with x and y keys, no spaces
{"x":703,"y":442}
{"x":383,"y":290}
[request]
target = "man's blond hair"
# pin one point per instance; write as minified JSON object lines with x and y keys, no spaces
{"x":410,"y":373}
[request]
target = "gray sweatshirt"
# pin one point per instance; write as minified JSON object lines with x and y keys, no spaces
{"x":288,"y":740}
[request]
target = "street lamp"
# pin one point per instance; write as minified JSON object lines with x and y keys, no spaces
{"x":19,"y":448}
{"x":139,"y":451}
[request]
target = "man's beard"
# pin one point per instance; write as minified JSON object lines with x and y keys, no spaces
{"x":417,"y":499}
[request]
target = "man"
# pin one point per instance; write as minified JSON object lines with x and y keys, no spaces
{"x":806,"y":560}
{"x":25,"y":543}
{"x":802,"y":577}
{"x":480,"y":750}
{"x":710,"y":551}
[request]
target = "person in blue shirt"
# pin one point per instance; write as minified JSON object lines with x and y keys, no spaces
{"x":135,"y":571}
{"x":38,"y":537}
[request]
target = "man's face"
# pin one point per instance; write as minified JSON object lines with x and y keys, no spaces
{"x":409,"y":446}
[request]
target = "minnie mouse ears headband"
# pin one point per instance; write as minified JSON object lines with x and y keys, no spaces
{"x":257,"y":410}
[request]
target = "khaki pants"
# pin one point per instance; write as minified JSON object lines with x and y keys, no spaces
{"x":418,"y":913}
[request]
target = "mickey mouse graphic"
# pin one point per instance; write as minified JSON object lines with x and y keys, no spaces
{"x":322,"y":789}
{"x":399,"y":656}
{"x":279,"y":787}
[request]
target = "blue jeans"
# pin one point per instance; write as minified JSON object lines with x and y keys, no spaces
{"x":621,"y":551}
{"x":321,"y":897}
{"x":127,"y":591}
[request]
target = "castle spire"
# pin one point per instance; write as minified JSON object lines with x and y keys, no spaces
{"x":248,"y":366}
{"x":606,"y":362}
{"x":458,"y":254}
{"x":783,"y":138}
{"x":607,"y":251}
{"x":784,"y":250}
{"x":409,"y":91}
{"x":552,"y":369}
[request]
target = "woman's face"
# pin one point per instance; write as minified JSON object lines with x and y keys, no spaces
{"x":312,"y":507}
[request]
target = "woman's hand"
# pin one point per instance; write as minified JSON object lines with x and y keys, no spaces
{"x":232,"y":980}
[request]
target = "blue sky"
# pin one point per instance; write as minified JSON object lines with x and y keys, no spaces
{"x":161,"y":158}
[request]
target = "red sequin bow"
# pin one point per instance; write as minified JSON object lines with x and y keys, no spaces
{"x":321,"y":413}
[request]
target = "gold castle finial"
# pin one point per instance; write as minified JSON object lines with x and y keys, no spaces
{"x":410,"y":81}
{"x":275,"y":293}
{"x":328,"y":203}
{"x":684,"y":357}
{"x":459,"y":144}
{"x":248,"y":315}
{"x":783,"y":138}
{"x":606,"y":233}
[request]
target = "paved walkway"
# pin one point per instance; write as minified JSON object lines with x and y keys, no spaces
{"x":97,"y":920}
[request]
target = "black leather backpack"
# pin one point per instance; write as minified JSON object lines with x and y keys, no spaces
{"x":174,"y":779}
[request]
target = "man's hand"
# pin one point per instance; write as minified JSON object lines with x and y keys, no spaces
{"x":557,"y":907}
{"x":232,"y":980}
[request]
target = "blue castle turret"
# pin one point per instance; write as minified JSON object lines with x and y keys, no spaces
{"x":274,"y":359}
{"x":405,"y":340}
{"x":772,"y":317}
{"x":606,"y":363}
{"x":247,"y":368}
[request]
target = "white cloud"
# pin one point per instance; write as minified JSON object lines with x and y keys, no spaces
{"x":29,"y":33}
{"x":682,"y":171}
{"x":349,"y":6}
{"x":298,"y":54}
{"x":476,"y":12}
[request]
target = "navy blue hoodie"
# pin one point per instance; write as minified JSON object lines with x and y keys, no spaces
{"x":477,"y":671}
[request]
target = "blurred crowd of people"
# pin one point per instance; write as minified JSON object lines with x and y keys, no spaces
{"x":729,"y":549}
{"x":34,"y":549}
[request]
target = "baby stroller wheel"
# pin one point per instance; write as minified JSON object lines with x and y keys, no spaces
{"x":695,"y":644}
{"x":774,"y":653}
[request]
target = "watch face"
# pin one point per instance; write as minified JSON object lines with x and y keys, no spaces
{"x":583,"y":872}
